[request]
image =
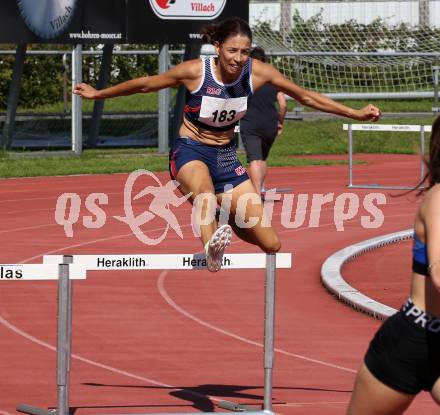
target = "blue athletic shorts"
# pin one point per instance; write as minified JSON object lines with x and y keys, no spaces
{"x":222,"y":161}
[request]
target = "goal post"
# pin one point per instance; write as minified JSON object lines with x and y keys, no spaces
{"x":360,"y":47}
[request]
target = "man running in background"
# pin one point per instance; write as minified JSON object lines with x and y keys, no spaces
{"x":260,"y":126}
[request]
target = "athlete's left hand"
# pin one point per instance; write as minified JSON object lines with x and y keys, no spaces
{"x":368,"y":113}
{"x":279,"y":128}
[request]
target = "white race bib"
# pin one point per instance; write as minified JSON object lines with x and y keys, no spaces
{"x":220,"y":112}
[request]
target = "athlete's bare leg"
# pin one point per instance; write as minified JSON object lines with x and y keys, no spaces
{"x":194,"y":178}
{"x":372,"y":397}
{"x":247,"y":211}
{"x":257,"y":171}
{"x":435,"y":392}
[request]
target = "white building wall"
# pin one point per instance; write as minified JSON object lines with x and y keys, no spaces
{"x":393,"y":12}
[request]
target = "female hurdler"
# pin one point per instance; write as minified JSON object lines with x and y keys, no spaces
{"x":203,"y":159}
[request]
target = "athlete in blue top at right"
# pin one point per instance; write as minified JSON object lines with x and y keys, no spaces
{"x":404,"y":356}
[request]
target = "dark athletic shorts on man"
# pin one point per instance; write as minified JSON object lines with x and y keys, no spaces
{"x":258,"y":143}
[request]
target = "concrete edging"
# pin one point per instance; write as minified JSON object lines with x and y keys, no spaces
{"x":332,"y":278}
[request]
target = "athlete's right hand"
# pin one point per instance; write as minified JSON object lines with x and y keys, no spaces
{"x":85,"y":91}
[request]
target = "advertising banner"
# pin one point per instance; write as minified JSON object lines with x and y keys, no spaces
{"x":178,"y":21}
{"x":62,"y":21}
{"x":112,"y":21}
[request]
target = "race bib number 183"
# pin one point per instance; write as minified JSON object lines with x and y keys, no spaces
{"x":219,"y":112}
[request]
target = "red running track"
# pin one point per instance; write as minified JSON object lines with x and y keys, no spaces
{"x":176,"y":341}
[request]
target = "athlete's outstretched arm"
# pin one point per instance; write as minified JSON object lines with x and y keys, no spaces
{"x":266,"y":73}
{"x":181,"y":74}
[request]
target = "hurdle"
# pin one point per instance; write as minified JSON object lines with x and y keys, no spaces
{"x":39,"y":272}
{"x":269,"y":262}
{"x":383,"y":127}
{"x":64,"y":272}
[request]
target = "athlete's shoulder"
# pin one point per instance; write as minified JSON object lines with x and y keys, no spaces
{"x":263,"y":73}
{"x":190,"y":69}
{"x":262,"y":68}
{"x":433,"y":194}
{"x":430,"y":205}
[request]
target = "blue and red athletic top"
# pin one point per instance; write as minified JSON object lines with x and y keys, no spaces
{"x":420,"y":257}
{"x":216,"y":106}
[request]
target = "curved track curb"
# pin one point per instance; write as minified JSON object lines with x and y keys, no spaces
{"x":332,"y":279}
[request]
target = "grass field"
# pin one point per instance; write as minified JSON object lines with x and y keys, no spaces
{"x":149,"y":102}
{"x":299,"y":138}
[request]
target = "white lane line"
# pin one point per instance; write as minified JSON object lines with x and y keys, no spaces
{"x":172,"y":303}
{"x":42,"y":343}
{"x":144,"y":379}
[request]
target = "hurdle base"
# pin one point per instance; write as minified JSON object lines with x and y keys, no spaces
{"x":260,"y":412}
{"x":266,"y":193}
{"x":33,"y":410}
{"x":277,"y":190}
{"x":379,"y":186}
{"x":231,"y":406}
{"x":237,"y":407}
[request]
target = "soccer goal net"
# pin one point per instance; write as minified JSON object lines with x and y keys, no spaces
{"x":341,"y":46}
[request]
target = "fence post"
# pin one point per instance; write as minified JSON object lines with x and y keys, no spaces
{"x":435,"y":78}
{"x":14,"y":94}
{"x":65,"y":74}
{"x":98,"y":105}
{"x":76,"y":101}
{"x":164,"y":103}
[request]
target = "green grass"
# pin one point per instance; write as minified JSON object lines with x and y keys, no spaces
{"x":32,"y":164}
{"x":388,"y":105}
{"x":327,"y":137}
{"x":299,"y":138}
{"x":132,"y":103}
{"x":90,"y":162}
{"x":149,"y":103}
{"x":324,"y":136}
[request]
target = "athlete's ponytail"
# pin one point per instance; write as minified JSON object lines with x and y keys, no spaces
{"x":433,"y":163}
{"x":219,"y":32}
{"x":208,"y":33}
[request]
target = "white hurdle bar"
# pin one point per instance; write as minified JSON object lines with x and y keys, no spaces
{"x":38,"y":272}
{"x":269,"y":262}
{"x":64,"y":272}
{"x":383,"y":127}
{"x":169,"y":261}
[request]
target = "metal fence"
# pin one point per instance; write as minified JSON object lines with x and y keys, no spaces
{"x":73,"y":128}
